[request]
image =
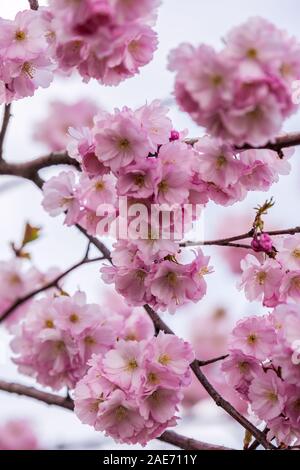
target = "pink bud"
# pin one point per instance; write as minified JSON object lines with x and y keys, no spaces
{"x":174,"y":135}
{"x":262,"y":242}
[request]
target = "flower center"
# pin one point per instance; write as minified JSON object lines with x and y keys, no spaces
{"x":20,"y":35}
{"x":163,"y":186}
{"x":124,"y":144}
{"x":217,"y":80}
{"x":171,"y":278}
{"x":153,"y":378}
{"x":120,"y":413}
{"x":74,"y":318}
{"x":89,"y":340}
{"x":49,"y":324}
{"x":221,"y":161}
{"x":296,"y":253}
{"x":139,"y":180}
{"x":140,"y":275}
{"x":271,"y":396}
{"x":99,"y":186}
{"x":252,"y":338}
{"x":252,"y":53}
{"x":261,"y":277}
{"x":164,"y":359}
{"x":28,"y":69}
{"x":243,"y":366}
{"x":132,"y":365}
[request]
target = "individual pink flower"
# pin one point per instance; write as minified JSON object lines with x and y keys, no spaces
{"x":254,"y":336}
{"x":283,"y":431}
{"x":263,"y":168}
{"x":60,"y":196}
{"x":267,"y":395}
{"x":23,"y":38}
{"x":123,"y":365}
{"x":120,"y":140}
{"x":217,"y":162}
{"x":240,"y":370}
{"x":156,"y":123}
{"x":290,"y":286}
{"x":172,"y":353}
{"x":138,"y":180}
{"x":289,"y":253}
{"x":261,"y":280}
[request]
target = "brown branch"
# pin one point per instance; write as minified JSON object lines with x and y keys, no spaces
{"x":212,"y":361}
{"x":53,"y":283}
{"x":281,"y":142}
{"x":66,"y":402}
{"x":187,"y":443}
{"x":229,"y":241}
{"x":29,"y":170}
{"x":6,"y":118}
{"x":34,"y":4}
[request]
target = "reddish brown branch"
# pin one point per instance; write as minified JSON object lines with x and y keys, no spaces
{"x":5,"y":122}
{"x":281,"y":142}
{"x":170,"y":437}
{"x":229,"y":241}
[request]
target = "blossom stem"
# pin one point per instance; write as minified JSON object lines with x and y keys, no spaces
{"x":6,"y":118}
{"x":170,"y":437}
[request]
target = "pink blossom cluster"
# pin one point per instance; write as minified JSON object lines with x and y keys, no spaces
{"x":25,"y":53}
{"x":136,"y":157}
{"x":165,"y":284}
{"x":264,"y":368}
{"x":243,"y":93}
{"x":108,"y":40}
{"x":133,"y":392}
{"x":274,"y":281}
{"x":16,"y":281}
{"x":18,"y":434}
{"x":53,"y":130}
{"x":60,"y":333}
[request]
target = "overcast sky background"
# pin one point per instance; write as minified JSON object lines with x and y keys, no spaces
{"x":192,"y":21}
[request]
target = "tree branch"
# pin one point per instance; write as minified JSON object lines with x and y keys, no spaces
{"x":5,"y":122}
{"x":281,"y":142}
{"x":53,"y":283}
{"x":34,"y":4}
{"x":66,"y":402}
{"x":229,"y":241}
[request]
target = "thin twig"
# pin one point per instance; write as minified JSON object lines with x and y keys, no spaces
{"x":5,"y":122}
{"x":47,"y":286}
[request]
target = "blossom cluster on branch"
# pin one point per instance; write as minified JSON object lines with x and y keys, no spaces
{"x":107,"y":40}
{"x":263,"y":366}
{"x":243,"y":93}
